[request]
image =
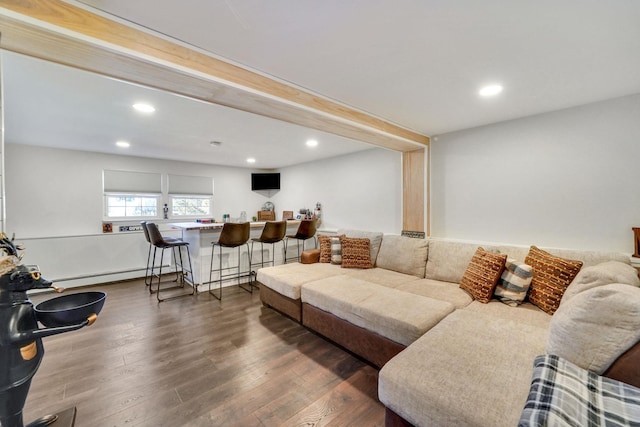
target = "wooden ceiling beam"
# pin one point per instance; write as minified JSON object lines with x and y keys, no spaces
{"x":63,"y":33}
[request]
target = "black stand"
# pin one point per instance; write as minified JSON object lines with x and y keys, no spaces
{"x":66,"y":418}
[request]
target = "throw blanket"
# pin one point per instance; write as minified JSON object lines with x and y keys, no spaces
{"x":563,"y":394}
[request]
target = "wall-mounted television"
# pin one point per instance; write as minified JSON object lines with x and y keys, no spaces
{"x":265,"y":181}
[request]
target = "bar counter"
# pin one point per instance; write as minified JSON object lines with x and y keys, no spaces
{"x":201,"y":235}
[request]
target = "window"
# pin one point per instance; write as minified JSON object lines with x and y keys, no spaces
{"x":131,"y":195}
{"x":190,"y":196}
{"x":131,"y":206}
{"x":190,"y":206}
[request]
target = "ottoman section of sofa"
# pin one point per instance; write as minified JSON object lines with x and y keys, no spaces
{"x":280,"y":285}
{"x":397,"y":316}
{"x":472,"y":369}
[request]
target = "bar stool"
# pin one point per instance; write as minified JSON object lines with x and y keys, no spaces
{"x":146,"y":236}
{"x":233,"y":235}
{"x":183,"y":275}
{"x":306,"y":231}
{"x":272,"y":233}
{"x":148,"y":272}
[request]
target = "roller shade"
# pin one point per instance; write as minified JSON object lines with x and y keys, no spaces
{"x":196,"y":185}
{"x":132,"y":182}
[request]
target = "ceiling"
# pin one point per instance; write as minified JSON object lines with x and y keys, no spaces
{"x":51,"y":105}
{"x":418,"y":64}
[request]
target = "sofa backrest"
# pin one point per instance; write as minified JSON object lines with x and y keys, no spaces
{"x":588,"y":258}
{"x":448,"y":259}
{"x":403,"y":254}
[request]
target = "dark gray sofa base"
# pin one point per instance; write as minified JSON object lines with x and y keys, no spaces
{"x":391,"y":419}
{"x":285,"y":305}
{"x":373,"y":347}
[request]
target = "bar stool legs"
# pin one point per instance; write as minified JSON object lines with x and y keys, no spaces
{"x":184,"y":273}
{"x":148,"y":271}
{"x":221,"y":276}
{"x":233,"y":235}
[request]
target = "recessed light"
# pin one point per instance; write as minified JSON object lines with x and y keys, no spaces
{"x":123,"y":144}
{"x":251,"y":160}
{"x":144,"y":108}
{"x":215,"y":144}
{"x":312,"y":143}
{"x":490,"y":90}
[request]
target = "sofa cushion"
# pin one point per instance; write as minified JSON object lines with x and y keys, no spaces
{"x":399,"y":316}
{"x":442,"y":291}
{"x":325,"y":248}
{"x":482,"y":274}
{"x":374,"y":237}
{"x":526,"y":313}
{"x":403,"y":254}
{"x":596,"y":326}
{"x":463,"y":372}
{"x":287,"y":279}
{"x":514,"y":283}
{"x":601,"y":274}
{"x":356,"y":252}
{"x":380,"y":276}
{"x":551,"y":276}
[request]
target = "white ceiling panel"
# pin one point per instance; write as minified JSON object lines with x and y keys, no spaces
{"x":419,"y":63}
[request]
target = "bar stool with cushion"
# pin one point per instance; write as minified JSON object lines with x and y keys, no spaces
{"x":148,"y":272}
{"x":272,"y":233}
{"x":306,"y":231}
{"x":233,"y":235}
{"x":184,"y":273}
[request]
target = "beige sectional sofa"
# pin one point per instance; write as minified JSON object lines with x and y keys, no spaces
{"x":445,"y":358}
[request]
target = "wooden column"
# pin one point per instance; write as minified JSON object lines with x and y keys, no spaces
{"x":414,"y":183}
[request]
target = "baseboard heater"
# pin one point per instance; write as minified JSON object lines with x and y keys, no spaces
{"x":106,"y":273}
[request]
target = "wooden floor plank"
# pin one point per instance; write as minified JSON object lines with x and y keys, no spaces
{"x":196,"y":361}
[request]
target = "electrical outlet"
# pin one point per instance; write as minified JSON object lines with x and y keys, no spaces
{"x":127,"y":228}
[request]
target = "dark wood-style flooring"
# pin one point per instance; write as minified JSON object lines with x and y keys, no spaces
{"x":195,"y":361}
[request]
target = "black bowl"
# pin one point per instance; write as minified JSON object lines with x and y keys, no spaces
{"x":70,"y":309}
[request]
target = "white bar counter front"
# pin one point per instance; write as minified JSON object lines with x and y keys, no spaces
{"x":201,"y":235}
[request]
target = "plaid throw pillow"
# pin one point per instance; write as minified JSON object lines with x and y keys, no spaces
{"x":562,"y":394}
{"x":551,"y":276}
{"x":336,"y":250}
{"x":514,"y":283}
{"x":482,"y":274}
{"x":356,"y":253}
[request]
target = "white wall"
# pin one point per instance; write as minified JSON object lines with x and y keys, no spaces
{"x":54,"y":203}
{"x":52,"y":192}
{"x":360,"y":191}
{"x":563,"y":179}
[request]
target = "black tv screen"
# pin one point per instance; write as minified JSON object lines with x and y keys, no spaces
{"x":265,"y":181}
